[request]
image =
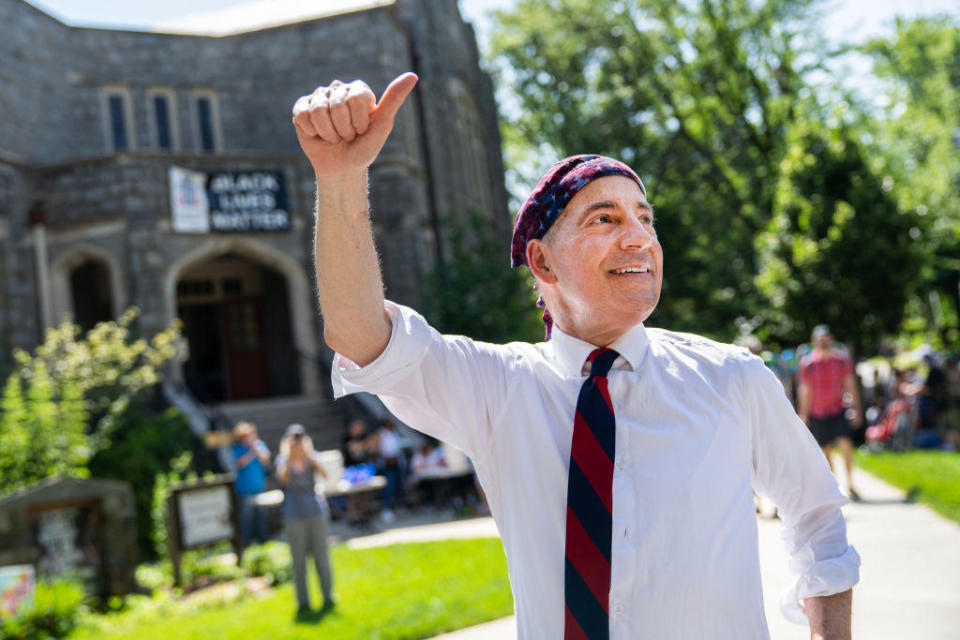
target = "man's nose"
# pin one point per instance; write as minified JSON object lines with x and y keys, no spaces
{"x":636,"y":234}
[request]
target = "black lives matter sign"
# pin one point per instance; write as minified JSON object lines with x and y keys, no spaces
{"x":248,"y":201}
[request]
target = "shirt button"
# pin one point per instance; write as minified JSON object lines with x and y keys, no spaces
{"x":620,"y":464}
{"x":618,"y":609}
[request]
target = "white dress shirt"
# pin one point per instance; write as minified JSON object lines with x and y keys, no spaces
{"x":700,"y":425}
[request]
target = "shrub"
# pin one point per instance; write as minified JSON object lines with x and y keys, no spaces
{"x":270,"y":560}
{"x":61,"y":404}
{"x":201,"y":567}
{"x":143,"y":444}
{"x":198,"y":568}
{"x":56,"y":612}
{"x":155,"y":576}
{"x":180,"y":469}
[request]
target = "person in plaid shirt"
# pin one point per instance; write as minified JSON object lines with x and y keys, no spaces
{"x":826,"y":374}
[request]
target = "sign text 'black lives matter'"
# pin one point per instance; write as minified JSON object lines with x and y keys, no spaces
{"x":248,"y":201}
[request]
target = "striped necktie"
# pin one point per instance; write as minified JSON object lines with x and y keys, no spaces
{"x":589,"y":507}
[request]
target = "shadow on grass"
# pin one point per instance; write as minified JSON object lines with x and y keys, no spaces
{"x":313,"y":616}
{"x":911,"y":497}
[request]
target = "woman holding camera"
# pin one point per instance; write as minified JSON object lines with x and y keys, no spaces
{"x":305,"y":513}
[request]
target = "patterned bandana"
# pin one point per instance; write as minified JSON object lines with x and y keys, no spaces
{"x":549,"y":198}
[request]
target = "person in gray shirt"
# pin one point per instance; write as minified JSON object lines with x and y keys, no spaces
{"x":305,"y":513}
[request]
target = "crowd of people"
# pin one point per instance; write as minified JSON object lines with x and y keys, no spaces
{"x":916,"y":406}
{"x":910,"y":400}
{"x":299,"y":471}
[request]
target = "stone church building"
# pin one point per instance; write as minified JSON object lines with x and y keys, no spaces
{"x":162,"y":171}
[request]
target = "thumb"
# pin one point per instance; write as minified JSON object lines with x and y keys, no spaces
{"x":395,"y":94}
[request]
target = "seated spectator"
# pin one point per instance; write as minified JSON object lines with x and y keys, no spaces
{"x":357,"y":445}
{"x":932,"y":402}
{"x":252,"y":458}
{"x":930,"y":397}
{"x":951,"y":420}
{"x":390,"y":465}
{"x":428,"y":458}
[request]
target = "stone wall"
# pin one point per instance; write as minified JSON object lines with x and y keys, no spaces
{"x":110,"y":529}
{"x":19,"y":313}
{"x":443,"y":158}
{"x":35,"y":95}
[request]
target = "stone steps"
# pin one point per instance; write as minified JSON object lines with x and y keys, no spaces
{"x":323,"y":420}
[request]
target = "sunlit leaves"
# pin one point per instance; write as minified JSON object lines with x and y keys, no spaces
{"x":60,"y":403}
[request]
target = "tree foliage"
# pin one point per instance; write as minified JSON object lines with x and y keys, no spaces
{"x":919,"y":132}
{"x":836,"y":226}
{"x":697,"y":96}
{"x":774,"y":207}
{"x":62,"y":403}
{"x":145,"y":443}
{"x":477,"y":294}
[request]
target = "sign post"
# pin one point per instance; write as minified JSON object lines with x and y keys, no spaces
{"x":199,"y":514}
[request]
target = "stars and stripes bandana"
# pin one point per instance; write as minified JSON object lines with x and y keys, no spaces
{"x":551,"y":196}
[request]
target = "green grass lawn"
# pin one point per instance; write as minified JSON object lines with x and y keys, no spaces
{"x":400,"y":591}
{"x":931,"y":477}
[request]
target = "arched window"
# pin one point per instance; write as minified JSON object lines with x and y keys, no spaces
{"x":90,"y":293}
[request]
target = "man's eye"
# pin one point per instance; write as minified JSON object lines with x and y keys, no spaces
{"x":603,"y":219}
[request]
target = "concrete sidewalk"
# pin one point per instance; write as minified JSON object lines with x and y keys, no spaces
{"x":909,"y":580}
{"x":909,"y":577}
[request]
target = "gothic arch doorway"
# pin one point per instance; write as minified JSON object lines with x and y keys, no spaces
{"x":236,"y":316}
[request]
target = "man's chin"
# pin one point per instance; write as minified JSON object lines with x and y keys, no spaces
{"x":640,"y":308}
{"x":630,"y":315}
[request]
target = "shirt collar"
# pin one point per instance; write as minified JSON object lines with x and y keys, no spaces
{"x":571,"y":353}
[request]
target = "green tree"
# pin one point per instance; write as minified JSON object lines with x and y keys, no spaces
{"x":40,"y":436}
{"x":145,"y":444}
{"x":478,"y":294}
{"x":919,"y":131}
{"x":839,"y":248}
{"x":697,"y":96}
{"x":61,"y":404}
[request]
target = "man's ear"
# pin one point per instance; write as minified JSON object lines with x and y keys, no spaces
{"x":538,"y":259}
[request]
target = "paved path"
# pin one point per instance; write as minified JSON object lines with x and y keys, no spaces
{"x":909,"y":581}
{"x":457,"y":529}
{"x":910,"y":577}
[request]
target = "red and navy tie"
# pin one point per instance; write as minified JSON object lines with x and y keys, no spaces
{"x":589,"y":506}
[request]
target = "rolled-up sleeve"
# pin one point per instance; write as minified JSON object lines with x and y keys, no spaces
{"x":445,"y":386}
{"x":790,"y":469}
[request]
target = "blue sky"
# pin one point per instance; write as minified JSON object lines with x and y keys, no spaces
{"x":846,"y":19}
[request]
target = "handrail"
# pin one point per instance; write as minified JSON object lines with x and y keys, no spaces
{"x":200,"y":418}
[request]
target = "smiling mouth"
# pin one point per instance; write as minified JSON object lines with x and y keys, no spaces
{"x":630,"y":270}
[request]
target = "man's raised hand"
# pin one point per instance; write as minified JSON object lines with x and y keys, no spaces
{"x":341,"y":127}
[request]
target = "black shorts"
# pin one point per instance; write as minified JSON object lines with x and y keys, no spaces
{"x":828,"y":429}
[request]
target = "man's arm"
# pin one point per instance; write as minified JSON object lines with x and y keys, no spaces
{"x":341,"y":129}
{"x":790,"y":468}
{"x":829,"y":616}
